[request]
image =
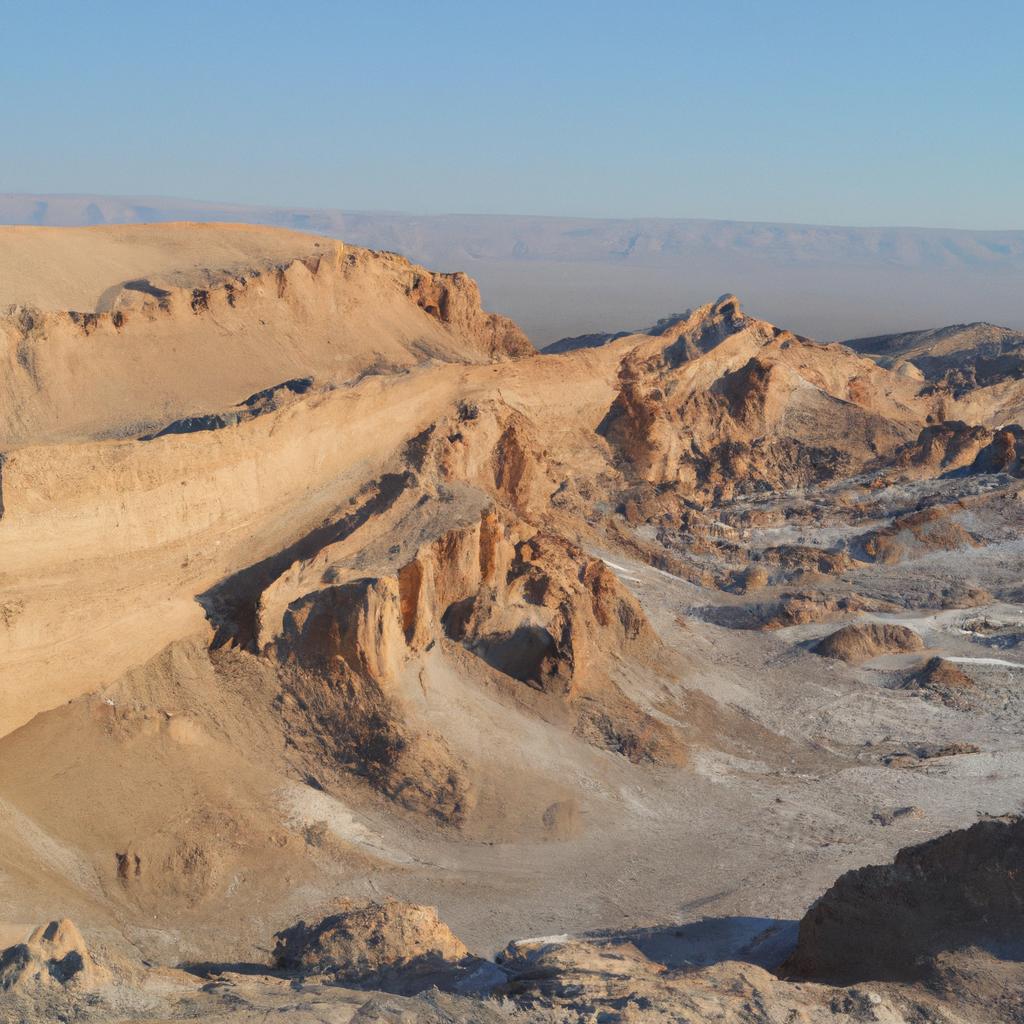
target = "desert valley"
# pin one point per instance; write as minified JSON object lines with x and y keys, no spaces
{"x":361,"y":662}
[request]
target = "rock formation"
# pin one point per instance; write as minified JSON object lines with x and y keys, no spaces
{"x":959,"y":356}
{"x":861,"y":641}
{"x":764,"y":409}
{"x":55,"y":954}
{"x":944,"y":681}
{"x":183,"y":343}
{"x":528,"y":604}
{"x":958,"y":892}
{"x":953,"y":445}
{"x":365,"y":942}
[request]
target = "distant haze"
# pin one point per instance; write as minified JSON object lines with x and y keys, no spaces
{"x":567,"y":276}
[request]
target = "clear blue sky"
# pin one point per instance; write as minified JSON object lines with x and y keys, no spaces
{"x":834,"y":111}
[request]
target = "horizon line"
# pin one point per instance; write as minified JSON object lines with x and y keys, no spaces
{"x":227,"y":203}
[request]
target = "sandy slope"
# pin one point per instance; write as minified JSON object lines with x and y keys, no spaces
{"x":57,"y":269}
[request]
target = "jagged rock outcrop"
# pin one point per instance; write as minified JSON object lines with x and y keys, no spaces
{"x":454,"y":300}
{"x":719,"y":404}
{"x":343,"y":647}
{"x":954,"y":445}
{"x":54,"y":955}
{"x":964,"y":889}
{"x":941,"y":448}
{"x":492,"y":447}
{"x":691,"y":333}
{"x":1004,"y":453}
{"x":861,"y":641}
{"x":341,"y":703}
{"x":528,"y":604}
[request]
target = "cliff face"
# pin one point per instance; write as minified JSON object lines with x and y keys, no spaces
{"x":454,"y":299}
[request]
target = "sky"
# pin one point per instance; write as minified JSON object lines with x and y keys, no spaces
{"x":856,"y":113}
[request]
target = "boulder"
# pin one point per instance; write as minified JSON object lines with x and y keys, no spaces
{"x":372,"y":943}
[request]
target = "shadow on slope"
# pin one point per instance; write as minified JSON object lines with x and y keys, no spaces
{"x":761,"y":941}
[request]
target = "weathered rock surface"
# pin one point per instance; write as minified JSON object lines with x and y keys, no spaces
{"x":184,"y":341}
{"x":569,"y":979}
{"x":915,"y":535}
{"x":55,"y":954}
{"x":942,"y":680}
{"x":797,"y":609}
{"x":368,"y":942}
{"x":763,"y":408}
{"x":427,"y":615}
{"x":961,"y":891}
{"x":1004,"y":453}
{"x":528,"y":604}
{"x":960,"y":355}
{"x":955,"y":446}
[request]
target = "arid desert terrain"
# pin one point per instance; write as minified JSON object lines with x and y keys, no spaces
{"x":360,"y":662}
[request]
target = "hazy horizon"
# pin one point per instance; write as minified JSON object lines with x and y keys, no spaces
{"x":797,"y":114}
{"x":228,"y":203}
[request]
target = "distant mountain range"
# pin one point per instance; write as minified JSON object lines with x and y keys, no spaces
{"x":564,"y":277}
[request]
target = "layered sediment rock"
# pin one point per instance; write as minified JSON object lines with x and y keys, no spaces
{"x":192,"y":342}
